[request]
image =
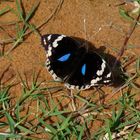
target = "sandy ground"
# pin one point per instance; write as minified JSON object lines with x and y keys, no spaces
{"x":97,"y":21}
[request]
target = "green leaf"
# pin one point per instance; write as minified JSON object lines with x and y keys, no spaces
{"x":5,"y":10}
{"x":125,"y":15}
{"x":32,"y":11}
{"x":20,"y":12}
{"x":65,"y":123}
{"x":11,"y":122}
{"x":48,"y":128}
{"x":81,"y":132}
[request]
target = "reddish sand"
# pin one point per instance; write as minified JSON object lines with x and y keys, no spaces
{"x":97,"y":21}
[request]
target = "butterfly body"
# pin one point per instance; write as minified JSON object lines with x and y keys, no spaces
{"x":72,"y":63}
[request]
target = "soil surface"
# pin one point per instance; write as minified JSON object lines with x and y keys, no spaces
{"x":97,"y":21}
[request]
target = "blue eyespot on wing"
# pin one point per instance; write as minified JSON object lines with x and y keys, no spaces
{"x":64,"y":57}
{"x":83,"y":69}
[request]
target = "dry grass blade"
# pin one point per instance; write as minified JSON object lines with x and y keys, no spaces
{"x":128,"y":35}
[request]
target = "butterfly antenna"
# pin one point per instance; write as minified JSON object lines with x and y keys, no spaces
{"x":99,"y":29}
{"x":85,"y":31}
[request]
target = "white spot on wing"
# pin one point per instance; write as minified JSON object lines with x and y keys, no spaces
{"x":49,"y":51}
{"x":55,"y":77}
{"x":49,"y":37}
{"x":77,"y":87}
{"x":87,"y":86}
{"x":44,"y":41}
{"x":72,"y":86}
{"x":48,"y":66}
{"x":106,"y":81}
{"x":55,"y":43}
{"x":95,"y":81}
{"x":47,"y":62}
{"x":108,"y":75}
{"x":100,"y":72}
{"x":81,"y":88}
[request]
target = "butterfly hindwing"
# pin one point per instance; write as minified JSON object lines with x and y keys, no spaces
{"x":91,"y":71}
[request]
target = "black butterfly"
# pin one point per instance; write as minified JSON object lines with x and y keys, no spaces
{"x":73,"y":64}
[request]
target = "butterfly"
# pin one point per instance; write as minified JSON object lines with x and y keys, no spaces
{"x":72,"y":63}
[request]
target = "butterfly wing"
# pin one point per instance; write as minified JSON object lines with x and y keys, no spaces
{"x":68,"y":62}
{"x":91,"y":71}
{"x":61,"y":55}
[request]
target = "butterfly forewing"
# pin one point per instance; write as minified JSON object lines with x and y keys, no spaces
{"x":62,"y":55}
